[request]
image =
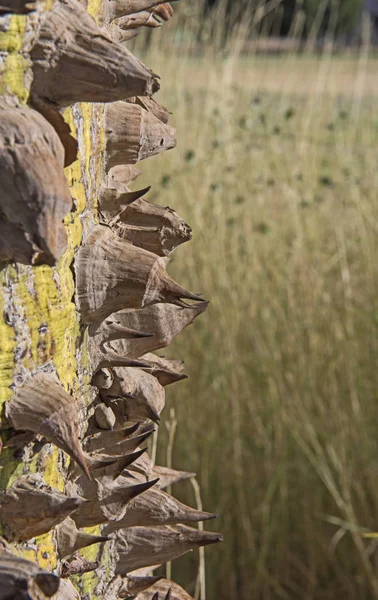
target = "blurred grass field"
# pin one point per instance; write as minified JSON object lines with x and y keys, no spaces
{"x":276,"y":172}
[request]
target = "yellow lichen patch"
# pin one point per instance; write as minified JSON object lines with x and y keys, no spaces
{"x":73,"y":174}
{"x":28,"y":554}
{"x":12,"y":75}
{"x":46,"y":556}
{"x":78,"y":192}
{"x":9,"y":468}
{"x":13,"y":78}
{"x":49,"y":317}
{"x":94,"y":530}
{"x":89,"y":581}
{"x":51,"y":474}
{"x":74,"y":171}
{"x":7,"y":346}
{"x":78,"y":174}
{"x":12,"y":40}
{"x":44,"y":462}
{"x":95,"y":9}
{"x":74,"y":230}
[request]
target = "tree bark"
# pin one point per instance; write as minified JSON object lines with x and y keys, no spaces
{"x":68,"y":390}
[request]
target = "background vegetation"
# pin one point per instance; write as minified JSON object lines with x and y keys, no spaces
{"x":336,"y":16}
{"x":276,"y":171}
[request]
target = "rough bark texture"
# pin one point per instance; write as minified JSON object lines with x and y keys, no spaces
{"x":81,"y":505}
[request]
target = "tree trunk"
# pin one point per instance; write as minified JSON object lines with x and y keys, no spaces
{"x":82,"y":505}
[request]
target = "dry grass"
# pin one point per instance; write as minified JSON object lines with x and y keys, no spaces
{"x":276,"y":171}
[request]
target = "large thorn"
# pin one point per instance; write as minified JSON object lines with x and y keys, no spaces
{"x":21,"y":579}
{"x":154,"y":508}
{"x":119,"y":448}
{"x":133,"y":586}
{"x":108,"y":498}
{"x":107,"y":358}
{"x":133,"y":134}
{"x":128,"y":460}
{"x":78,"y":565}
{"x":104,"y":416}
{"x":107,"y":439}
{"x":33,"y":208}
{"x":103,"y":378}
{"x":164,"y":321}
{"x":151,"y":105}
{"x":117,"y":468}
{"x":145,"y":546}
{"x":144,"y":18}
{"x":112,"y":274}
{"x":158,"y":229}
{"x":167,"y":590}
{"x":43,"y":406}
{"x":112,"y":200}
{"x":99,"y":461}
{"x":18,"y":7}
{"x":153,"y":17}
{"x":120,"y":176}
{"x":110,"y":330}
{"x":142,"y":469}
{"x":70,"y":539}
{"x":30,"y":508}
{"x":75,"y":61}
{"x":120,"y":8}
{"x":121,"y":36}
{"x":67,"y":591}
{"x":166,"y":371}
{"x":137,"y":395}
{"x":168,"y":477}
{"x":111,"y":465}
{"x":100,"y":352}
